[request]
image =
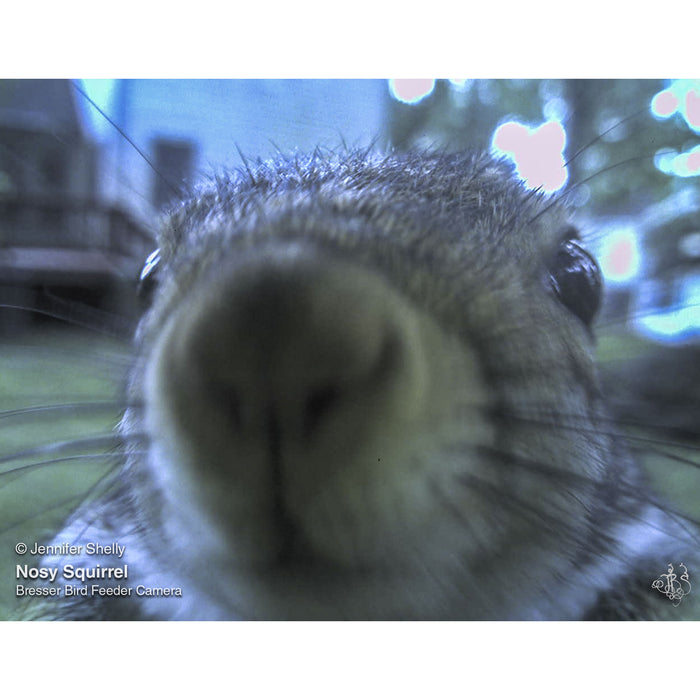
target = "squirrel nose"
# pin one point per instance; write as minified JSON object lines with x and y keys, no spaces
{"x":300,"y":341}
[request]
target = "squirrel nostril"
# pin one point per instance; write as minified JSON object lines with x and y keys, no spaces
{"x":318,"y":403}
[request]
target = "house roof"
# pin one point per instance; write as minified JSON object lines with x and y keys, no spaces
{"x":40,"y":105}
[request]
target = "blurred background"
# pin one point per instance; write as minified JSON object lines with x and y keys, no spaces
{"x":81,"y":189}
{"x":88,"y":166}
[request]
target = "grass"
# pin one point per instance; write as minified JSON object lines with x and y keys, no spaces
{"x":672,"y":465}
{"x":38,"y":491}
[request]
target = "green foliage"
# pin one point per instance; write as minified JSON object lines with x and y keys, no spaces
{"x":612,"y":134}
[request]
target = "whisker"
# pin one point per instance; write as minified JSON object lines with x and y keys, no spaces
{"x":75,"y":407}
{"x":99,"y":441}
{"x":174,"y":190}
{"x":559,"y":198}
{"x":551,"y":473}
{"x":119,"y":326}
{"x":589,"y":424}
{"x":57,"y":506}
{"x":61,"y":460}
{"x":664,"y":453}
{"x":101,"y":486}
{"x":603,"y":134}
{"x":554,"y":521}
{"x":68,"y":318}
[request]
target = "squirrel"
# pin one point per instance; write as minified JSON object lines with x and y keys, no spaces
{"x":364,"y":388}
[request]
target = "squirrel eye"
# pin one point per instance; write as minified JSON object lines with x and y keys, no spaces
{"x":577,"y":280}
{"x":148,"y":279}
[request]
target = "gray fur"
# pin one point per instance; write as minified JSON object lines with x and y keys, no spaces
{"x":364,"y":400}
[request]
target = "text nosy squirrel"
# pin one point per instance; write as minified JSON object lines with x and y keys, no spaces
{"x":367,"y":391}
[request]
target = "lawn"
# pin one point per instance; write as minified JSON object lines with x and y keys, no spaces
{"x":41,"y":480}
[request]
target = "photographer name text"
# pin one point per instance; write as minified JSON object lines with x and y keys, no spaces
{"x":91,"y":548}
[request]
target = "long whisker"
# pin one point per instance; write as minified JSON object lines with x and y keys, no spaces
{"x":102,"y":485}
{"x":70,"y":318}
{"x":557,"y":199}
{"x":572,"y":483}
{"x":125,"y":136}
{"x":107,"y":440}
{"x":603,"y":134}
{"x":555,"y":420}
{"x":75,"y":407}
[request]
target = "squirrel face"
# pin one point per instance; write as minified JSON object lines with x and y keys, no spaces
{"x":364,"y":388}
{"x":353,"y":378}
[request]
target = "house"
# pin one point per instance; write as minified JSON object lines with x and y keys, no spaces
{"x":81,"y":189}
{"x":173,"y":133}
{"x":61,"y":245}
